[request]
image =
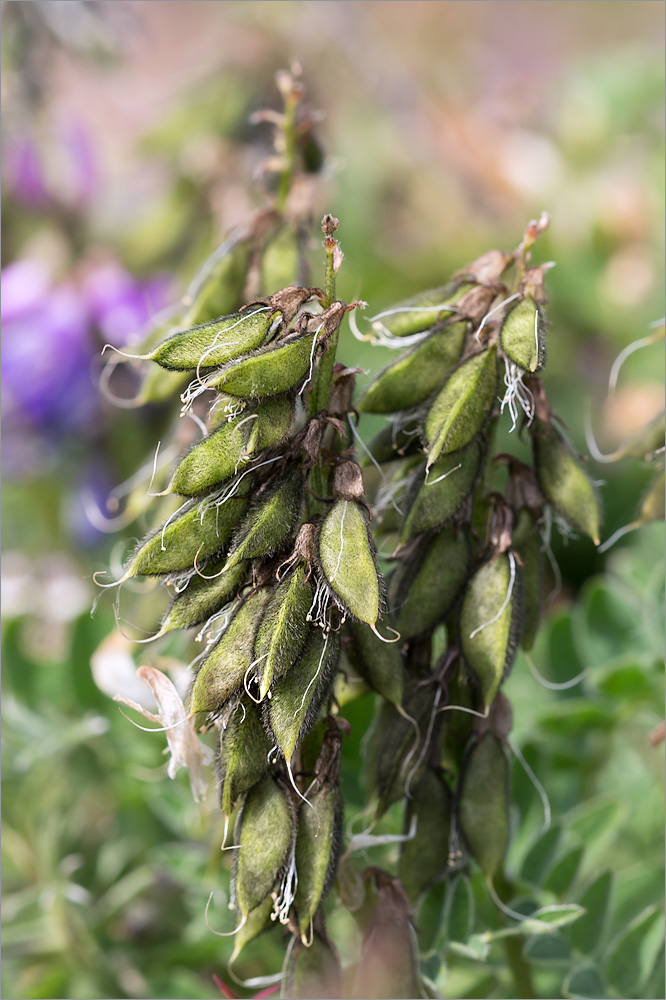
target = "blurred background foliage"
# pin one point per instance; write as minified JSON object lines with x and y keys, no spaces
{"x":127,"y":155}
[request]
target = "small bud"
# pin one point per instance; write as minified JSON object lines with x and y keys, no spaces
{"x":463,"y":405}
{"x":415,"y":375}
{"x":346,"y":552}
{"x":483,"y":802}
{"x":329,"y":225}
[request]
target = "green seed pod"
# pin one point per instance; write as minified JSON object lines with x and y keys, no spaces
{"x":318,"y":844}
{"x":232,"y":446}
{"x":223,"y":671}
{"x":269,"y":523}
{"x":243,"y":755}
{"x":423,"y":311}
{"x":564,"y":481}
{"x":483,"y":803}
{"x":429,"y":585}
{"x":280,"y":260}
{"x":449,"y":482}
{"x":283,"y":630}
{"x":313,"y":972}
{"x":491,"y":622}
{"x":258,"y":920}
{"x":526,"y":541}
{"x":424,"y":857}
{"x":265,"y":837}
{"x":298,"y":696}
{"x":523,"y":335}
{"x":186,"y":536}
{"x":379,"y":663}
{"x":396,"y":440}
{"x":202,"y":596}
{"x":416,"y":374}
{"x":398,"y":756}
{"x":346,"y":552}
{"x":463,"y":405}
{"x":218,"y":289}
{"x":268,"y":371}
{"x":216,"y":343}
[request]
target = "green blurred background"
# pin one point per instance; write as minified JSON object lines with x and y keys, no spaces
{"x":127,"y":155}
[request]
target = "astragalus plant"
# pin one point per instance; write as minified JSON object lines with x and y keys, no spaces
{"x":270,"y":555}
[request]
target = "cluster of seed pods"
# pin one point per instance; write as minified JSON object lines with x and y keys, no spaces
{"x":472,"y":531}
{"x":268,"y":555}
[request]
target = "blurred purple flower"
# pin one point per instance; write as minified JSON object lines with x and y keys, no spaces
{"x":120,"y":306}
{"x":80,"y":162}
{"x":23,"y":172}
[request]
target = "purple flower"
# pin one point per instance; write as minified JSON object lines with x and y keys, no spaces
{"x":120,"y":306}
{"x":23,"y":172}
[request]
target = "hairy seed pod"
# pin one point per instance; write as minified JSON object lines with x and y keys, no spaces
{"x":483,"y":802}
{"x":268,"y":371}
{"x":564,"y":481}
{"x":449,"y":482}
{"x":203,"y":596}
{"x":258,"y":920}
{"x":346,"y":552}
{"x":491,"y":622}
{"x":281,"y":259}
{"x":196,"y":532}
{"x":230,"y":447}
{"x":219,"y":288}
{"x":223,"y":671}
{"x":523,"y":335}
{"x":298,"y":696}
{"x":265,"y":834}
{"x":423,"y":311}
{"x":398,"y":755}
{"x":318,"y":845}
{"x":269,"y":523}
{"x":424,"y":857}
{"x":379,"y":663}
{"x":526,"y":541}
{"x":313,"y":972}
{"x":243,"y":753}
{"x":283,"y":630}
{"x":416,"y":374}
{"x":216,"y":343}
{"x":429,"y":585}
{"x":463,"y":405}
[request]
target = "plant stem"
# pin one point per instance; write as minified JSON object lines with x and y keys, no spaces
{"x":289,"y":152}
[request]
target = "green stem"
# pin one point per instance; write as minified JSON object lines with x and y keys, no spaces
{"x":289,"y":137}
{"x":523,"y":987}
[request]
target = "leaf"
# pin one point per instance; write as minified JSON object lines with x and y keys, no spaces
{"x":540,"y":856}
{"x":591,"y":928}
{"x":553,"y":950}
{"x":595,"y":820}
{"x":459,"y":909}
{"x":476,"y":948}
{"x":576,"y":717}
{"x":584,"y":982}
{"x":548,"y":917}
{"x":631,"y":958}
{"x":564,"y":871}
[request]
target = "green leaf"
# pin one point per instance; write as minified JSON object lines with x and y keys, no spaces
{"x":544,"y":920}
{"x":476,"y":948}
{"x":584,"y":982}
{"x":459,"y":911}
{"x":540,"y":856}
{"x":629,"y":683}
{"x":591,"y":928}
{"x":552,"y":950}
{"x":576,"y":717}
{"x":631,"y":958}
{"x":594,"y":821}
{"x":564,"y":871}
